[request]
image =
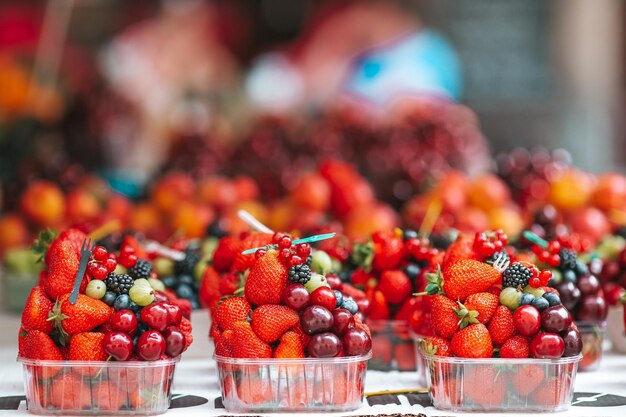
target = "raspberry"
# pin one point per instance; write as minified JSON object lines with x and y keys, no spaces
{"x":516,"y":275}
{"x":300,"y":274}
{"x":141,"y":269}
{"x":119,"y":283}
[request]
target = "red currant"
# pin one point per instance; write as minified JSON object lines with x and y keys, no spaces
{"x":110,"y":264}
{"x":285,"y":254}
{"x":100,"y":253}
{"x":535,"y":282}
{"x":554,"y":246}
{"x":303,"y":250}
{"x":277,"y":237}
{"x":545,"y":277}
{"x":100,"y":272}
{"x":91,"y":267}
{"x":260,"y":253}
{"x":554,"y":260}
{"x":487,"y":249}
{"x":128,"y":260}
{"x":285,"y":242}
{"x":295,"y":260}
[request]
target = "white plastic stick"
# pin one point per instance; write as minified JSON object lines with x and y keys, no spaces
{"x":253,"y":222}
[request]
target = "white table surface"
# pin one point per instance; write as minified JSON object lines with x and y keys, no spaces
{"x":196,"y":375}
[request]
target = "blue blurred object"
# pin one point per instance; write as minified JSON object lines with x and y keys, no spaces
{"x":420,"y":63}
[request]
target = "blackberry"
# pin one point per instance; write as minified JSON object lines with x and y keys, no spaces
{"x":141,"y":269}
{"x":188,"y":264}
{"x":309,"y":259}
{"x":568,"y":259}
{"x":119,"y":283}
{"x":516,"y":275}
{"x":300,"y":274}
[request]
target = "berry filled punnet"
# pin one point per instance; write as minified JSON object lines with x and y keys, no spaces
{"x":73,"y":351}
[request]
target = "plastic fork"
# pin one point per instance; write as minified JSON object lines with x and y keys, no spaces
{"x":85,"y":252}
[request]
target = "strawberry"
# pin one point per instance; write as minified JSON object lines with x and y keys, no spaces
{"x":297,"y":329}
{"x":515,"y":347}
{"x":482,"y":385}
{"x":460,"y":249}
{"x":472,"y":342}
{"x":395,"y":286}
{"x":360,"y":325}
{"x":362,"y":279}
{"x":353,"y":292}
{"x":478,"y":308}
{"x":406,"y":309}
{"x":468,"y":277}
{"x":551,"y":393}
{"x":35,"y":344}
{"x":36,"y":310}
{"x":388,"y":250}
{"x":404,"y":353}
{"x":75,"y":237}
{"x":222,"y":348}
{"x":87,"y":346}
{"x":246,"y":344}
{"x":501,"y":325}
{"x":62,"y":269}
{"x":437,"y":346}
{"x":290,"y":346}
{"x":444,"y":318}
{"x":224,"y":256}
{"x":87,"y":314}
{"x":106,"y":396}
{"x":230,"y":283}
{"x":209,"y":293}
{"x":69,"y":392}
{"x":527,"y":378}
{"x":231,"y":310}
{"x":185,"y":329}
{"x":254,"y":391}
{"x":379,"y":309}
{"x":184,"y":305}
{"x":270,"y":321}
{"x":254,"y":240}
{"x":267,"y":280}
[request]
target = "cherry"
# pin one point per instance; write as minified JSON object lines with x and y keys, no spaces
{"x":356,"y":342}
{"x":100,"y":253}
{"x":547,"y":346}
{"x":588,"y":285}
{"x":174,"y":341}
{"x":573,"y":342}
{"x":118,"y":345}
{"x":175,"y":315}
{"x":325,"y":297}
{"x":527,"y":320}
{"x":555,"y":319}
{"x":316,"y":319}
{"x":569,"y":294}
{"x":156,"y":316}
{"x":342,"y":321}
{"x":128,"y":260}
{"x":591,"y":308}
{"x":296,"y":297}
{"x":150,"y":345}
{"x":334,"y":281}
{"x":124,"y":321}
{"x":324,"y":345}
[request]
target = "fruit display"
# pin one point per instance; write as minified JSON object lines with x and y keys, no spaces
{"x":77,"y":351}
{"x":290,"y":319}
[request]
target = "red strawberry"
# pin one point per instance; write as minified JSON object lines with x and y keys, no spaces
{"x":404,"y":353}
{"x":478,"y":308}
{"x":460,"y":249}
{"x":231,"y":310}
{"x":254,"y":240}
{"x":395,"y":285}
{"x":527,"y":378}
{"x":74,"y":237}
{"x":62,"y":269}
{"x":130,"y":241}
{"x":69,"y":392}
{"x":551,"y":393}
{"x":482,"y":385}
{"x":35,"y":344}
{"x":353,"y":292}
{"x":106,"y":396}
{"x":209,"y":293}
{"x":468,"y":277}
{"x":227,"y":250}
{"x":185,"y":329}
{"x":379,"y":309}
{"x":444,"y":318}
{"x":290,"y":346}
{"x":87,"y":346}
{"x":305,"y":338}
{"x":230,"y":283}
{"x":362,"y":279}
{"x":222,"y":347}
{"x":87,"y":314}
{"x":246,"y":344}
{"x":515,"y":347}
{"x":36,"y":310}
{"x":472,"y":342}
{"x":437,"y":346}
{"x":267,"y":280}
{"x":269,"y":321}
{"x":501,"y":325}
{"x":388,"y":251}
{"x":406,"y":310}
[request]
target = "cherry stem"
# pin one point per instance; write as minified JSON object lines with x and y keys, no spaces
{"x":535,"y":239}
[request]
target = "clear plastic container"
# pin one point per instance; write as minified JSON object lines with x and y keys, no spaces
{"x":98,"y":388}
{"x":392,"y":346}
{"x":286,"y":385}
{"x":501,"y":385}
{"x":16,"y":288}
{"x":615,"y":328}
{"x":592,"y":334}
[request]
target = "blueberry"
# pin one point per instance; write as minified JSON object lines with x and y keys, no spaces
{"x":141,"y":328}
{"x":184,"y":291}
{"x":412,"y":270}
{"x":526,"y":299}
{"x":540,"y":303}
{"x":133,"y":306}
{"x":186,"y":279}
{"x":569,"y":276}
{"x":122,"y":302}
{"x":170,"y":281}
{"x":109,"y":298}
{"x":553,"y":298}
{"x":409,"y":234}
{"x":345,"y":275}
{"x":581,"y":268}
{"x":350,"y":305}
{"x":196,"y":285}
{"x":339,"y":297}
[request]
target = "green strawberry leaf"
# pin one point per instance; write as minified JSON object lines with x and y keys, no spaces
{"x":41,"y":244}
{"x":363,"y":254}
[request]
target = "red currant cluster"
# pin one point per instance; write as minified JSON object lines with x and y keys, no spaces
{"x":101,"y":263}
{"x":539,"y":278}
{"x":420,"y":249}
{"x":575,"y":242}
{"x":290,"y":254}
{"x":127,"y":257}
{"x":489,"y":243}
{"x":549,"y":254}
